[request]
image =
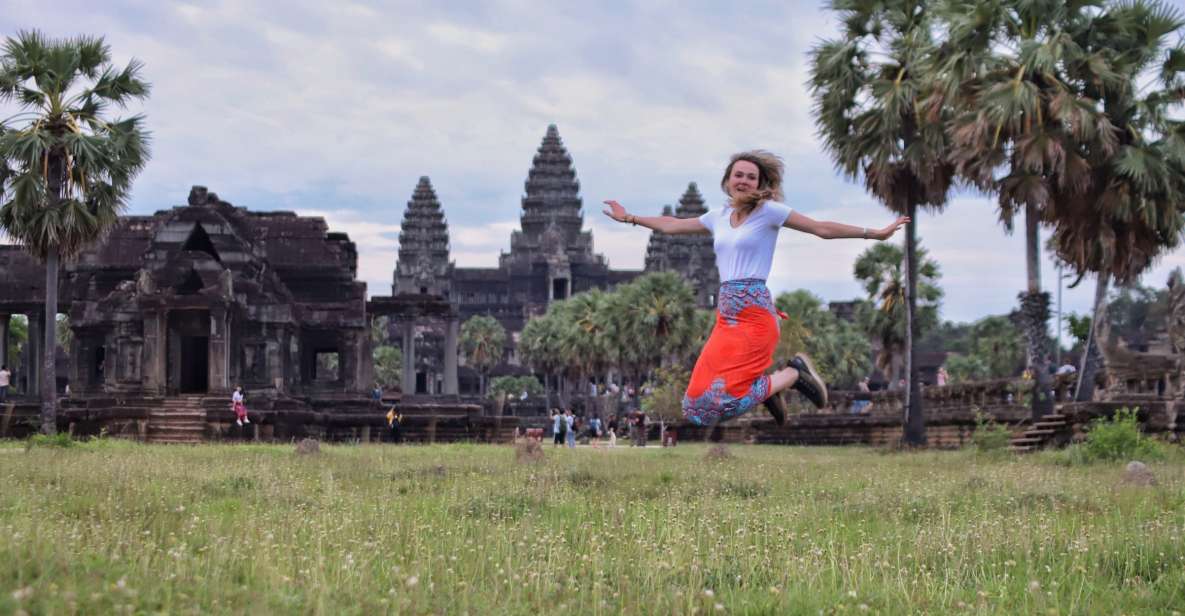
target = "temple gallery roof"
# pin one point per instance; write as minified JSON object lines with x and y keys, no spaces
{"x":299,"y":250}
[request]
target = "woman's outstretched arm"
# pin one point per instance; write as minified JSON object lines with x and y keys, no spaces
{"x":662,"y":224}
{"x":837,"y":230}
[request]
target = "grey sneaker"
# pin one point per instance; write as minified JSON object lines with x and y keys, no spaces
{"x":809,"y":383}
{"x":776,"y":407}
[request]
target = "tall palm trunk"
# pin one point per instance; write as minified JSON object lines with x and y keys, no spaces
{"x":915,"y":424}
{"x":49,"y":375}
{"x":1092,"y":359}
{"x":56,"y":176}
{"x":1034,"y":312}
{"x":564,"y":386}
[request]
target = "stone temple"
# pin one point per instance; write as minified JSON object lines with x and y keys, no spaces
{"x":551,"y":258}
{"x":169,"y":312}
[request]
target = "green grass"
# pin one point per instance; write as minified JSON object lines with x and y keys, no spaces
{"x":115,"y":527}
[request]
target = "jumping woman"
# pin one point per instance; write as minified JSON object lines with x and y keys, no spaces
{"x":729,"y":377}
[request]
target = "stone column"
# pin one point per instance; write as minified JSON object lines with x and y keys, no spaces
{"x":35,"y":355}
{"x":347,"y":364}
{"x":153,"y":366}
{"x":293,"y":364}
{"x":450,"y":355}
{"x":409,"y":357}
{"x":4,"y":322}
{"x":365,"y":361}
{"x":219,"y":355}
{"x":275,"y":361}
{"x":111,"y":361}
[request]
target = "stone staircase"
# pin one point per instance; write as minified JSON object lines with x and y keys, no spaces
{"x":179,"y":419}
{"x":1045,"y":431}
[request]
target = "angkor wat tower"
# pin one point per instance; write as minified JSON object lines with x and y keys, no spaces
{"x":692,"y":256}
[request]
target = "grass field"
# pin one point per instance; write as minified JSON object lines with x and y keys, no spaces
{"x":116,"y":527}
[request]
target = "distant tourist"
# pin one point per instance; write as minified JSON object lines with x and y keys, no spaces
{"x":558,"y":428}
{"x":240,"y":408}
{"x":861,"y":404}
{"x":395,"y":424}
{"x":638,"y":428}
{"x":5,"y":381}
{"x":570,"y":428}
{"x":376,"y":393}
{"x":942,"y":377}
{"x":729,"y":378}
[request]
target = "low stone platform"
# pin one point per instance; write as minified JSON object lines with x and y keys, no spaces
{"x":197,"y":418}
{"x":951,"y":415}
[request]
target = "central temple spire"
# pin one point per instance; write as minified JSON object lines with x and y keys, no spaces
{"x":423,"y":244}
{"x":551,"y":216}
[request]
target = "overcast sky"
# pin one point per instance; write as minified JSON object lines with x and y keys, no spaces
{"x":334,"y":109}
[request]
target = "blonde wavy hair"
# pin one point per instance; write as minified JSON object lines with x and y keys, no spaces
{"x":770,"y":169}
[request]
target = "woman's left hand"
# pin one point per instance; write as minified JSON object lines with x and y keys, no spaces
{"x":888,"y":231}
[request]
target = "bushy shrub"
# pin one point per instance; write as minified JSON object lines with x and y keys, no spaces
{"x":61,"y":439}
{"x":665,"y":401}
{"x":989,"y":436}
{"x":514,"y":386}
{"x":1119,"y":439}
{"x":967,"y":368}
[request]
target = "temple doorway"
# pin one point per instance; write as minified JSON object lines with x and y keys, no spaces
{"x":195,"y":364}
{"x":189,"y":351}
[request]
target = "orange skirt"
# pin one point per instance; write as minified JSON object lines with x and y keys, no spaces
{"x":729,"y":377}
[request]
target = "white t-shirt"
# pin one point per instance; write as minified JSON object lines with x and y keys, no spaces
{"x":4,"y":378}
{"x":748,"y":250}
{"x":236,"y":397}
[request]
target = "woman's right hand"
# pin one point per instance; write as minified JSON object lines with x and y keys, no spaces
{"x":616,"y":211}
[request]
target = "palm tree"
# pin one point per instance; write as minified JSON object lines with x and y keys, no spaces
{"x":541,"y":346}
{"x":659,"y":327}
{"x":1007,"y":69}
{"x":874,"y":109}
{"x":65,"y":170}
{"x":880,"y":269}
{"x":1065,"y":112}
{"x":996,"y":341}
{"x":588,"y":326}
{"x":482,"y":341}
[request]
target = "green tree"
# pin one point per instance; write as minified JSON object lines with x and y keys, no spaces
{"x":665,"y":401}
{"x":540,"y":345}
{"x":65,"y":334}
{"x":589,"y":325}
{"x":388,"y":365}
{"x":874,"y":110}
{"x":839,"y":349}
{"x":514,"y":386}
{"x":18,"y":337}
{"x":880,"y":269}
{"x":482,"y":341}
{"x":966,"y":368}
{"x":378,"y":331}
{"x":1078,"y":326}
{"x":997,"y":342}
{"x":658,"y":327}
{"x":65,"y":168}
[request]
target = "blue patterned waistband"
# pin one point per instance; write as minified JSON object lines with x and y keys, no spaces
{"x":743,"y":282}
{"x":736,"y":295}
